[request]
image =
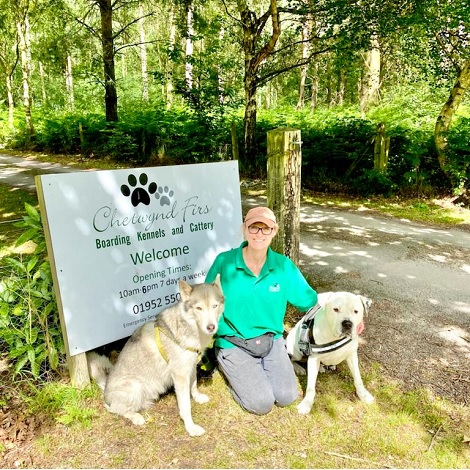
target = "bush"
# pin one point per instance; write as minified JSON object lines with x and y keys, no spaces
{"x":373,"y":182}
{"x":29,"y":319}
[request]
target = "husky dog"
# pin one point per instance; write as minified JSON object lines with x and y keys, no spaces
{"x":163,"y":353}
{"x":327,"y":337}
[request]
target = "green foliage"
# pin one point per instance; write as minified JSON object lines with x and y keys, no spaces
{"x":178,"y":135}
{"x":337,"y":149}
{"x":460,"y":152}
{"x":373,"y":182}
{"x":66,"y":404}
{"x":29,"y":320}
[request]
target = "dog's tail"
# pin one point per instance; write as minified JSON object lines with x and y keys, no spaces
{"x":98,"y":367}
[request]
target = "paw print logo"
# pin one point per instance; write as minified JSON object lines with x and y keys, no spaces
{"x":138,"y":190}
{"x":164,"y":195}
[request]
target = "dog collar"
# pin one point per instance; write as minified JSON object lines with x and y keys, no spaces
{"x":307,"y":343}
{"x":161,"y":349}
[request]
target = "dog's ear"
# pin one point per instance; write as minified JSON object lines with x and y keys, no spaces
{"x":217,"y":281}
{"x":366,"y":302}
{"x":185,"y":290}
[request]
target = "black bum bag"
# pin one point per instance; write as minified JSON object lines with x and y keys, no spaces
{"x":259,"y":346}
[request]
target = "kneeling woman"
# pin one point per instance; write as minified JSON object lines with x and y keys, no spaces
{"x":249,"y":345}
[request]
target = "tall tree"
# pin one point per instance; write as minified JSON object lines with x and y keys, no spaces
{"x":452,"y":35}
{"x":108,"y":36}
{"x":8,"y":56}
{"x":258,"y":42}
{"x":370,"y":90}
{"x":109,"y":72}
{"x":306,"y":46}
{"x":22,"y":12}
{"x":189,"y":49}
{"x":143,"y":55}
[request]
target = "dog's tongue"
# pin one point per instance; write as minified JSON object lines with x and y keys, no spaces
{"x":360,"y":327}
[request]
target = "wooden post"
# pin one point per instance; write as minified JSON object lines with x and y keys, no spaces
{"x":78,"y":370}
{"x":283,"y":188}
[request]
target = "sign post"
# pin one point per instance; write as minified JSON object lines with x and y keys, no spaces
{"x":120,"y":240}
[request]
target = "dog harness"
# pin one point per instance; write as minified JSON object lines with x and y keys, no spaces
{"x":307,"y":343}
{"x":161,"y":349}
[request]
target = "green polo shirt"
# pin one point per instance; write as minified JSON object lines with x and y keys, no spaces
{"x":257,"y":305}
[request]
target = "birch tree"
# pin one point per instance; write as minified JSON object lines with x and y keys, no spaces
{"x":22,"y":11}
{"x":8,"y":56}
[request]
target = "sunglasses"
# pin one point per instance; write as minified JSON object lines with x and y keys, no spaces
{"x":253,"y":229}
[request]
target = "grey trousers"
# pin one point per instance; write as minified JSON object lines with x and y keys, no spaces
{"x":259,"y":383}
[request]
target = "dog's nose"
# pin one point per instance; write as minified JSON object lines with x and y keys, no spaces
{"x":347,"y":325}
{"x":210,"y":328}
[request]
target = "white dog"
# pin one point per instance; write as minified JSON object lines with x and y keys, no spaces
{"x":328,"y":336}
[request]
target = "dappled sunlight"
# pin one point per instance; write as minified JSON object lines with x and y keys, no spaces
{"x":341,"y":270}
{"x":457,"y":336}
{"x":462,"y":307}
{"x":438,"y":258}
{"x":361,"y":253}
{"x":313,"y":252}
{"x":466,"y":268}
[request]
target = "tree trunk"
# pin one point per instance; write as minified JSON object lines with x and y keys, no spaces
{"x":107,"y":41}
{"x":444,"y":120}
{"x":306,"y":31}
{"x":188,"y":66}
{"x":371,"y":90}
{"x":249,"y":122}
{"x":255,"y":54}
{"x":25,"y":52}
{"x":341,"y":87}
{"x":169,"y":72}
{"x":143,"y":57}
{"x":315,"y":87}
{"x":11,"y":102}
{"x":69,"y":82}
{"x":42,"y":76}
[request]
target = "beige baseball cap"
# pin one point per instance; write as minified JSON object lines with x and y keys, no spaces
{"x":261,"y":214}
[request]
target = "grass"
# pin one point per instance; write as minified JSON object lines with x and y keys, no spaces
{"x":401,"y":430}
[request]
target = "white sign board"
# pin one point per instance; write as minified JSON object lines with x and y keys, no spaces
{"x":122,"y":239}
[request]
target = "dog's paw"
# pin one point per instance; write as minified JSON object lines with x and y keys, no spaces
{"x":304,"y":408}
{"x":136,"y":418}
{"x":365,"y":396}
{"x":194,"y":430}
{"x":298,"y":369}
{"x":201,"y":398}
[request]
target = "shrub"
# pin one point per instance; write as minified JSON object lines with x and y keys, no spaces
{"x":373,"y":182}
{"x":29,"y":320}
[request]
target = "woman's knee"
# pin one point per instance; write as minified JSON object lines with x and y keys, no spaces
{"x":259,"y":405}
{"x":286,"y":396}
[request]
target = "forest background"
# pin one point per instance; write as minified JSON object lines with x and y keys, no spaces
{"x":185,"y":81}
